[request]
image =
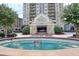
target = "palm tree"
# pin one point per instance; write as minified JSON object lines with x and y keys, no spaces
{"x":71,"y":16}
{"x":7,"y":17}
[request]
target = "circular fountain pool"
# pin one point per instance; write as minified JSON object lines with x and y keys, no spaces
{"x":40,"y":44}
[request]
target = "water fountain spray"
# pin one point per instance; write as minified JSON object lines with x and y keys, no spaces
{"x":37,"y":43}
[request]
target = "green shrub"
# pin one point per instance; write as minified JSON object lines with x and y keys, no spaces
{"x":58,"y":30}
{"x":2,"y":34}
{"x":26,"y":30}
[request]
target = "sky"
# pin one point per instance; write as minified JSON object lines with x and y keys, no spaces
{"x":18,"y":8}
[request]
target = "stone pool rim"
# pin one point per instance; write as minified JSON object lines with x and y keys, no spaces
{"x":19,"y":52}
{"x":14,"y":38}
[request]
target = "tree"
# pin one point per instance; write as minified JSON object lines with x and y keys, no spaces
{"x":7,"y":17}
{"x":71,"y":16}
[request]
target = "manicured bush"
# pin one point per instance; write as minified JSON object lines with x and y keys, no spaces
{"x":2,"y":34}
{"x":26,"y":30}
{"x":58,"y":30}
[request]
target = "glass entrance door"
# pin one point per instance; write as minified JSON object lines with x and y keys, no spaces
{"x":41,"y":29}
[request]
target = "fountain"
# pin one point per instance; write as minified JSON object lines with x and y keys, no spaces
{"x":37,"y":43}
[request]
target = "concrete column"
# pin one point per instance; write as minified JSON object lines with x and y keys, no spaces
{"x":33,"y":29}
{"x":50,"y":29}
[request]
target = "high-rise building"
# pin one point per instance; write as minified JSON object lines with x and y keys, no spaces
{"x":52,"y":10}
{"x":17,"y":25}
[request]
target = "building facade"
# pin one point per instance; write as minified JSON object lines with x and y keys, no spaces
{"x":51,"y":10}
{"x":18,"y":24}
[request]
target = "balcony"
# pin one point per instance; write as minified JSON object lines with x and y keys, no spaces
{"x":51,"y":16}
{"x":50,"y":12}
{"x":32,"y":5}
{"x":51,"y":8}
{"x":32,"y":13}
{"x":32,"y":9}
{"x":51,"y":4}
{"x":32,"y":16}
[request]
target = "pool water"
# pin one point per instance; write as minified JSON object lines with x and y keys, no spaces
{"x":40,"y":45}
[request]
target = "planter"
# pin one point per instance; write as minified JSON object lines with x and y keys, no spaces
{"x":11,"y":35}
{"x":25,"y":33}
{"x":59,"y":33}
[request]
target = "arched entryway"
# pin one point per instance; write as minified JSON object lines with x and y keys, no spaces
{"x":42,"y":24}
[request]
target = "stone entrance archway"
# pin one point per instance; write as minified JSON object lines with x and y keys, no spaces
{"x":42,"y":24}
